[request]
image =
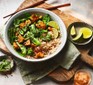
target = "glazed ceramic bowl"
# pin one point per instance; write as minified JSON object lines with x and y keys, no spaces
{"x":40,"y":11}
{"x":78,"y":25}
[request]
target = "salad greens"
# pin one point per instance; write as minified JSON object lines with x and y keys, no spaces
{"x":29,"y":51}
{"x":46,"y":18}
{"x":5,"y":65}
{"x":22,"y":48}
{"x":28,"y":33}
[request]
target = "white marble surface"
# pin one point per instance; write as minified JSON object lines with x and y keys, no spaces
{"x":81,"y":9}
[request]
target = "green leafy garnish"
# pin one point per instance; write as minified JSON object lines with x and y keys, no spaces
{"x":29,"y":51}
{"x":36,"y":41}
{"x":11,"y":34}
{"x":27,"y":15}
{"x":33,"y":29}
{"x":16,"y":22}
{"x":48,"y":37}
{"x":5,"y":65}
{"x":22,"y":48}
{"x":46,"y":18}
{"x":28,"y":35}
{"x":21,"y":32}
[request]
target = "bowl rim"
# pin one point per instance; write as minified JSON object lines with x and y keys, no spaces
{"x":7,"y":43}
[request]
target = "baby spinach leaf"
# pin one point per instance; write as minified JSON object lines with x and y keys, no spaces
{"x":29,"y":51}
{"x":36,"y":41}
{"x":22,"y":48}
{"x":46,"y":18}
{"x":5,"y":65}
{"x":16,"y":22}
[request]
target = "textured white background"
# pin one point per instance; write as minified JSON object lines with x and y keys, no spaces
{"x":80,"y":8}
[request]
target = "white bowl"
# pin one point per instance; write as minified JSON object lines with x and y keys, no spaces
{"x":36,"y":10}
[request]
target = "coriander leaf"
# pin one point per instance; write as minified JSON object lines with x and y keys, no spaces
{"x":29,"y":51}
{"x":46,"y":18}
{"x":22,"y":48}
{"x":36,"y":41}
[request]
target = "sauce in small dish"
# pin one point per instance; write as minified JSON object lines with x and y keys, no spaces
{"x":82,"y":77}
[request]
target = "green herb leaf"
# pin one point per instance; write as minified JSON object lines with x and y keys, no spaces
{"x":27,"y":15}
{"x":22,"y":48}
{"x":21,"y":32}
{"x":36,"y":41}
{"x":11,"y":35}
{"x":46,"y":18}
{"x":16,"y":22}
{"x":29,"y":51}
{"x":32,"y":28}
{"x":48,"y":37}
{"x":28,"y":35}
{"x":5,"y":65}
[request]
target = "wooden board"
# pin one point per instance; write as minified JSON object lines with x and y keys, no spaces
{"x":60,"y":74}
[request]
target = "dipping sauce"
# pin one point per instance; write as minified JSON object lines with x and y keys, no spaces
{"x":82,"y":77}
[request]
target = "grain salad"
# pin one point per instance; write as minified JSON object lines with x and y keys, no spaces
{"x":34,"y":35}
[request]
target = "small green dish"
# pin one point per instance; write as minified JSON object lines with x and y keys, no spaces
{"x":77,"y":26}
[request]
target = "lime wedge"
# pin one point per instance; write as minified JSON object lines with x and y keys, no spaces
{"x":53,"y":24}
{"x":79,"y":37}
{"x":73,"y":31}
{"x":55,"y":33}
{"x":87,"y":32}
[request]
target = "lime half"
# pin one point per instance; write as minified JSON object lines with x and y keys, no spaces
{"x":53,"y":24}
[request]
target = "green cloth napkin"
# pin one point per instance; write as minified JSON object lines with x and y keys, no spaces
{"x":32,"y":72}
